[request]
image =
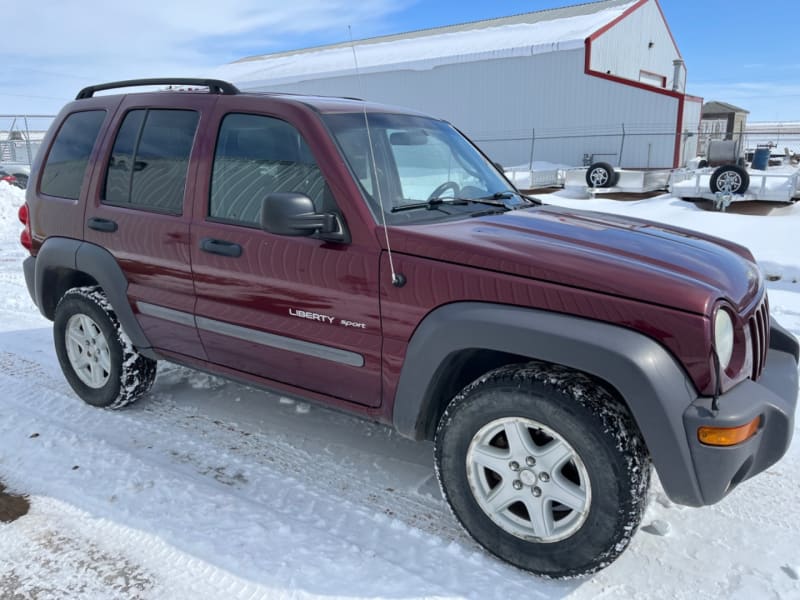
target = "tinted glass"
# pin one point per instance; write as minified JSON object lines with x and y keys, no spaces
{"x":416,"y":159}
{"x":120,"y":165}
{"x":66,"y":164}
{"x":256,"y":156}
{"x":148,"y":164}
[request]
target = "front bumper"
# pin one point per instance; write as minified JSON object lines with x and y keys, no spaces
{"x":773,"y":398}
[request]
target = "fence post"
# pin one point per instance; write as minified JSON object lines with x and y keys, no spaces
{"x":28,"y":141}
{"x":533,"y":140}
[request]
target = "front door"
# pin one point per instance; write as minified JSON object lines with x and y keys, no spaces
{"x":296,"y":310}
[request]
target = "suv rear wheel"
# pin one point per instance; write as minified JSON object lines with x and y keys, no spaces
{"x":544,"y":468}
{"x":96,"y":356}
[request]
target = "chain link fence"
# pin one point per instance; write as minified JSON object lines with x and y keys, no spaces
{"x":634,"y":146}
{"x":21,"y":136}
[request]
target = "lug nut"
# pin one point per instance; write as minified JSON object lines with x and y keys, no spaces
{"x":544,"y":477}
{"x":536,"y":492}
{"x":513,"y":465}
{"x":530,"y":461}
{"x":517,"y":484}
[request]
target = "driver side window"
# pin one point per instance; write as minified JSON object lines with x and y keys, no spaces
{"x":256,"y":156}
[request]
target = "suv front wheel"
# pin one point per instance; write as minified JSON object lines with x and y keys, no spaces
{"x":544,"y":468}
{"x":96,"y":356}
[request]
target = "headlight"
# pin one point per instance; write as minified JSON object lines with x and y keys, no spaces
{"x":723,"y":337}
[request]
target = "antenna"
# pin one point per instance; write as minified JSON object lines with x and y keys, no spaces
{"x":398,"y":279}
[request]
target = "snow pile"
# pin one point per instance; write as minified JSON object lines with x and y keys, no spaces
{"x":423,"y":52}
{"x":11,"y":198}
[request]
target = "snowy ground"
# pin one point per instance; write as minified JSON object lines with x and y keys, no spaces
{"x":208,"y":489}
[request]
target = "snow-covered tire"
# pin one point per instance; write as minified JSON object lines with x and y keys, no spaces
{"x":96,"y":356}
{"x":731,"y":179}
{"x":601,"y":175}
{"x":520,"y":437}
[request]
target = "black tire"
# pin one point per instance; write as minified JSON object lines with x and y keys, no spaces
{"x":702,"y":164}
{"x":601,"y":175}
{"x":730,"y":179}
{"x":608,"y":452}
{"x":122,"y":375}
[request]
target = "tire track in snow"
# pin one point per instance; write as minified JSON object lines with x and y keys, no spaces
{"x":304,"y":510}
{"x":412,"y":508}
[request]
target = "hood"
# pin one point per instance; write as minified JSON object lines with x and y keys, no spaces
{"x":632,"y":258}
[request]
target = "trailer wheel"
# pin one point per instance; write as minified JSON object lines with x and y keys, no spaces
{"x":601,"y":175}
{"x":730,"y":179}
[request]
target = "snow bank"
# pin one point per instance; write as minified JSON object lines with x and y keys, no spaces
{"x":11,"y":198}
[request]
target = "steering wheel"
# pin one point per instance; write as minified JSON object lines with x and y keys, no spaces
{"x":440,"y":189}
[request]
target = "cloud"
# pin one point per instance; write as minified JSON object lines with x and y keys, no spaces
{"x":65,"y":44}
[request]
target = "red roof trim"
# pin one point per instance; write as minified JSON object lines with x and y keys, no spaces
{"x":611,"y":24}
{"x":691,"y":98}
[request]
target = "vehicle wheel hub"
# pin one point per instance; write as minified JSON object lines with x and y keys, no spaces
{"x":87,"y":351}
{"x":528,"y":478}
{"x":547,"y":504}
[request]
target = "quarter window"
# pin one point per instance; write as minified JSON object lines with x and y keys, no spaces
{"x":256,"y":156}
{"x":150,"y":158}
{"x":66,"y":164}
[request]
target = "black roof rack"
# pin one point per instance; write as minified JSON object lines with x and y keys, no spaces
{"x":215,"y":86}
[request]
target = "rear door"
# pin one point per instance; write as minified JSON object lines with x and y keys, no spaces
{"x":296,"y":310}
{"x":140,"y":211}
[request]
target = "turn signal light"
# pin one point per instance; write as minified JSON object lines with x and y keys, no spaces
{"x":728,"y":436}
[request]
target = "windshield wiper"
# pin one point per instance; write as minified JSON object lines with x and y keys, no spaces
{"x":430,"y":204}
{"x":508,"y":195}
{"x":496,"y":199}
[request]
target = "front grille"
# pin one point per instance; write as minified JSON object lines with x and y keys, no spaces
{"x":759,"y":337}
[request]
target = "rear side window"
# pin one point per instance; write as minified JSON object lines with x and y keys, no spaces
{"x":66,"y":164}
{"x":150,"y":158}
{"x":256,"y":156}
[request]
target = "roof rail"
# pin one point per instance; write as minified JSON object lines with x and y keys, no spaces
{"x":215,"y":86}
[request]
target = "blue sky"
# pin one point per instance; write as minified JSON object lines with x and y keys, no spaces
{"x":740,"y":52}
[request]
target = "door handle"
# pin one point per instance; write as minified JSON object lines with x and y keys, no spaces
{"x":221,"y":247}
{"x":102,"y":224}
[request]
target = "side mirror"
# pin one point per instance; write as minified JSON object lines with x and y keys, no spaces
{"x":499,"y":167}
{"x":290,"y":213}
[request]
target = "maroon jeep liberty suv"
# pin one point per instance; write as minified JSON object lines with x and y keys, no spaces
{"x":372,"y":259}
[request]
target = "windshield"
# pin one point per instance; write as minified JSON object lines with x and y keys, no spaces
{"x":420,"y":163}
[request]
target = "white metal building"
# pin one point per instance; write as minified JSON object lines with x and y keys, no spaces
{"x":599,"y":81}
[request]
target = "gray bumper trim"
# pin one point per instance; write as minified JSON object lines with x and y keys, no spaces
{"x":773,"y":398}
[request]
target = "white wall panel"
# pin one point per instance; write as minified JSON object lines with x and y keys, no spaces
{"x":625,"y":49}
{"x":500,"y":103}
{"x":691,"y":125}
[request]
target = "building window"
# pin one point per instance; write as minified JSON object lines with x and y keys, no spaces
{"x":653,"y":79}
